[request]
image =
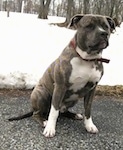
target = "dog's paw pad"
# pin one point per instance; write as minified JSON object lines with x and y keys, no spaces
{"x":49,"y":132}
{"x":79,"y":117}
{"x":44,"y":123}
{"x":92,"y":129}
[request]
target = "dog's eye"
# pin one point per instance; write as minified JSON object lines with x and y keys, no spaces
{"x":105,"y":26}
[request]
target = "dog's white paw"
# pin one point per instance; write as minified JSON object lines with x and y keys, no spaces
{"x":91,"y":128}
{"x":89,"y":125}
{"x":78,"y":117}
{"x":49,"y":131}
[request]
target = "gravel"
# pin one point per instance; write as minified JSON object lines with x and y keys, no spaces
{"x":26,"y":134}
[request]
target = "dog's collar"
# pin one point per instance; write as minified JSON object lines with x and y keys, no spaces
{"x":73,"y":45}
{"x":98,"y":59}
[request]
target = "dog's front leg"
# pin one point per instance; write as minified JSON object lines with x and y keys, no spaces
{"x":58,"y":95}
{"x":89,"y":125}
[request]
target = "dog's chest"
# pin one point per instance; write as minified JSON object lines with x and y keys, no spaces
{"x":82,"y":73}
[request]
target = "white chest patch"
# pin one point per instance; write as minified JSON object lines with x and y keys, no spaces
{"x":82,"y":73}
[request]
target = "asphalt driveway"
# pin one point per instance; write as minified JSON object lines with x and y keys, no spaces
{"x":26,"y":134}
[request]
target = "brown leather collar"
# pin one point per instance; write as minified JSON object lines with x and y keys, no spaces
{"x":73,"y":45}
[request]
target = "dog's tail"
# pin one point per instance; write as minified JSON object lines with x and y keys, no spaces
{"x":21,"y":117}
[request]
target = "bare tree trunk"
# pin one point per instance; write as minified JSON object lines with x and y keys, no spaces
{"x":70,"y":11}
{"x":44,"y":8}
{"x":8,"y":11}
{"x":6,"y":5}
{"x":112,"y":8}
{"x":86,"y":6}
{"x":19,"y":5}
{"x":53,"y":11}
{"x":117,"y":8}
{"x":80,"y":7}
{"x":58,"y":10}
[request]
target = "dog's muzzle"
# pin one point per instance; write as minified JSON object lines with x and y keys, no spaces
{"x":102,"y":44}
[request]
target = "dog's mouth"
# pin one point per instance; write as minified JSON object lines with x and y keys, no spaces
{"x":99,"y":46}
{"x":103,"y":44}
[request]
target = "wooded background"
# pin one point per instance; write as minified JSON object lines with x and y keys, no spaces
{"x":65,"y":8}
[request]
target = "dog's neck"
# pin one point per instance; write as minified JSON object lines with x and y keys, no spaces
{"x":79,"y":51}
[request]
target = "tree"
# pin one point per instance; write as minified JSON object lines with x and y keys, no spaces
{"x":29,"y":6}
{"x":86,"y":6}
{"x":19,"y":3}
{"x":44,"y":8}
{"x":70,"y":10}
{"x":53,"y":9}
{"x":5,"y":5}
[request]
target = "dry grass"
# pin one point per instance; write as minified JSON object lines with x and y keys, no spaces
{"x":107,"y":90}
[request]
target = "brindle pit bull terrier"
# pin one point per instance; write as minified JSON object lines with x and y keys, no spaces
{"x":73,"y":75}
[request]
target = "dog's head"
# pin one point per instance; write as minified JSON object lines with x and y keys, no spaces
{"x":93,"y":32}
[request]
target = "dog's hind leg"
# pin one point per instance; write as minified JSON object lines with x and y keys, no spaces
{"x":41,"y":101}
{"x":39,"y":118}
{"x":72,"y":115}
{"x":66,"y":113}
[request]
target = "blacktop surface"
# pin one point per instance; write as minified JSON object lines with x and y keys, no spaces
{"x":26,"y":134}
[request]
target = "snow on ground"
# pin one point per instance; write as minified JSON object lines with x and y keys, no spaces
{"x":28,"y":45}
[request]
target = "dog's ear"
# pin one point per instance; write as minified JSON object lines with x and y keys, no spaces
{"x":74,"y":21}
{"x":111,"y":23}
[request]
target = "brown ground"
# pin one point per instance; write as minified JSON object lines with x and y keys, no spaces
{"x":14,"y":92}
{"x":116,"y":91}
